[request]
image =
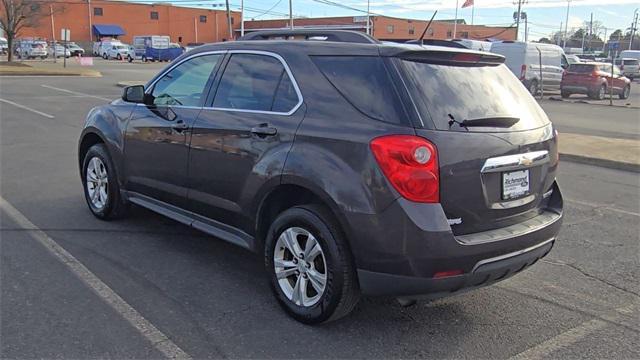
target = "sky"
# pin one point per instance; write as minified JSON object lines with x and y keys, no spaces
{"x":544,"y":16}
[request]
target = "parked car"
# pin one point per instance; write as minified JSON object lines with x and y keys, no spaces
{"x":32,"y":50}
{"x":4,"y":46}
{"x":572,"y":59}
{"x":74,"y":49}
{"x":594,"y":80}
{"x":523,"y":59}
{"x":629,"y":54}
{"x":59,"y":50}
{"x":629,"y":67}
{"x":119,"y":51}
{"x":100,"y":48}
{"x":335,"y":161}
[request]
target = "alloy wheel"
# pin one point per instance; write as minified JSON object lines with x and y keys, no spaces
{"x":97,"y":183}
{"x":300,"y":266}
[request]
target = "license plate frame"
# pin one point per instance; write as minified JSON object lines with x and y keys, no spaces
{"x":515,"y":184}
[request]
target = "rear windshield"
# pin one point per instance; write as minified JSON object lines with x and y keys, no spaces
{"x":581,"y":68}
{"x":631,"y":62}
{"x":471,"y":92}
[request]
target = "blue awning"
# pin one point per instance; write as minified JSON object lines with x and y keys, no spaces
{"x":107,"y":30}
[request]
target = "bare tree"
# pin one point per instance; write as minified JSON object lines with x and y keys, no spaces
{"x":16,"y":15}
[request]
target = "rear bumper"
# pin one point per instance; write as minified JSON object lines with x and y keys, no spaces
{"x":484,"y":272}
{"x":576,"y":89}
{"x":402,"y":252}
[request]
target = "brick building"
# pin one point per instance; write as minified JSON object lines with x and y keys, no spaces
{"x":390,"y":28}
{"x":184,"y":25}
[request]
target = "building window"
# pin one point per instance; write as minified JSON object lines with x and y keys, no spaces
{"x":449,"y":34}
{"x":97,"y":11}
{"x":231,"y":21}
{"x":412,"y":30}
{"x":390,"y":29}
{"x":154,"y":15}
{"x":203,"y":18}
{"x":464,"y":35}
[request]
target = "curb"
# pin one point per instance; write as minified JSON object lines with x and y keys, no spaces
{"x":49,"y":73}
{"x":556,"y":99}
{"x":606,"y":163}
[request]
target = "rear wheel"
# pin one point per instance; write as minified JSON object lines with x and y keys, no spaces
{"x":565,"y":94}
{"x":625,"y":92}
{"x":310,"y":267}
{"x":533,"y":87}
{"x":101,"y":189}
{"x":119,"y":57}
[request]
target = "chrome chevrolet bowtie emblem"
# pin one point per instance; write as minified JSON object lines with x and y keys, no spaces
{"x":525,"y":161}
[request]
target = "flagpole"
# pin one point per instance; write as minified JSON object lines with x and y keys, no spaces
{"x":473,"y":10}
{"x":455,"y":23}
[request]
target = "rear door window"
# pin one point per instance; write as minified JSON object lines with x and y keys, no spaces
{"x":446,"y":92}
{"x":631,"y":62}
{"x":256,"y":82}
{"x":581,"y":68}
{"x":365,"y":83}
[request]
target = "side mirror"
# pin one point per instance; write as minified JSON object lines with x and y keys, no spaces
{"x":133,"y":94}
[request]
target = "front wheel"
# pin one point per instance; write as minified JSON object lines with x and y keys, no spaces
{"x":600,"y":92}
{"x":119,"y":57}
{"x":625,"y":92}
{"x":533,"y":87}
{"x":101,"y":189}
{"x":565,"y":94}
{"x":310,"y":266}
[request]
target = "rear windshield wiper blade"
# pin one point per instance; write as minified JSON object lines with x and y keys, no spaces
{"x":495,"y":121}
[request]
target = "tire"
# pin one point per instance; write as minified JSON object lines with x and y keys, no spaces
{"x":533,"y":87}
{"x":340,"y":293}
{"x":129,"y":58}
{"x":119,"y":57}
{"x":600,"y":92}
{"x":105,"y":56}
{"x":114,"y":206}
{"x":43,"y":58}
{"x":144,"y":59}
{"x":565,"y":94}
{"x":625,"y":92}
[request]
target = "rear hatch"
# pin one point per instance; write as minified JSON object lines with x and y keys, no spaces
{"x":496,"y":147}
{"x":578,"y":73}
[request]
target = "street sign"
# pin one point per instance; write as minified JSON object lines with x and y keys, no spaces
{"x":65,"y":34}
{"x":614,"y":45}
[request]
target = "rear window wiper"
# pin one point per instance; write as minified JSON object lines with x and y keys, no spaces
{"x":493,"y":121}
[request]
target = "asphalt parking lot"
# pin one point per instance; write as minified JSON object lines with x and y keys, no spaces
{"x":211,"y":300}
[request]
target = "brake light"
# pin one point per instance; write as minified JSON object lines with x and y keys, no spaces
{"x":410,"y":163}
{"x":523,"y":72}
{"x":445,"y":274}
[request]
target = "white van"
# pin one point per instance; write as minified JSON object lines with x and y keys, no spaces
{"x":523,"y":59}
{"x":100,"y":48}
{"x":629,"y":54}
{"x":474,"y":44}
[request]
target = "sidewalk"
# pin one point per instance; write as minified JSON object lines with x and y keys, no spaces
{"x":623,"y":154}
{"x":37,"y":68}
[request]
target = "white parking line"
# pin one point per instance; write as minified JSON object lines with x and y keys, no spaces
{"x":567,"y":338}
{"x":75,"y":92}
{"x":602,"y":206}
{"x":158,"y":340}
{"x":27,"y":108}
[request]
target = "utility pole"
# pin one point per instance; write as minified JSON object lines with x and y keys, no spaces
{"x":526,"y":26}
{"x":90,"y":21}
{"x":455,"y":22}
{"x":229,"y":20}
{"x":291,"y":14}
{"x":566,"y":26}
{"x":368,"y":17}
{"x":53,"y":33}
{"x":634,"y":27}
{"x":518,"y":18}
{"x":604,"y":39}
{"x":559,"y":40}
{"x":241,"y":17}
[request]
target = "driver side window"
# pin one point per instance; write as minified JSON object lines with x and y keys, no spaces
{"x":185,"y":84}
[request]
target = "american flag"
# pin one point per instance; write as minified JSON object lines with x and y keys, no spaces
{"x":467,"y":3}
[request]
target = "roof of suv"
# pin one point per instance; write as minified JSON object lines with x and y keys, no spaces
{"x":329,"y":47}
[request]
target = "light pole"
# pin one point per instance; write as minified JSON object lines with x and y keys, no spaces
{"x":634,"y":26}
{"x":368,"y":17}
{"x":241,"y":17}
{"x":566,"y":26}
{"x":291,"y":14}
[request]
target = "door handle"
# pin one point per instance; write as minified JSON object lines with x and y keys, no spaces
{"x":264,"y":130}
{"x":179,"y":126}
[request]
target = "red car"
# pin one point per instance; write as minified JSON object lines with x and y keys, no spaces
{"x":595,"y":80}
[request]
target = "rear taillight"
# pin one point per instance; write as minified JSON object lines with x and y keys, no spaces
{"x":595,"y":73}
{"x":523,"y":72}
{"x":410,"y":163}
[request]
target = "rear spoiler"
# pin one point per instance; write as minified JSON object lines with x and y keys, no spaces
{"x":460,"y":58}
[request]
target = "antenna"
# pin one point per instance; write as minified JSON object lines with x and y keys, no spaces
{"x":427,"y":28}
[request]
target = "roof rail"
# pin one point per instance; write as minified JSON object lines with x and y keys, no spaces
{"x":348,"y":36}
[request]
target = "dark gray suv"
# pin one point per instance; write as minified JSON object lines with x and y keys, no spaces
{"x":355,"y":167}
